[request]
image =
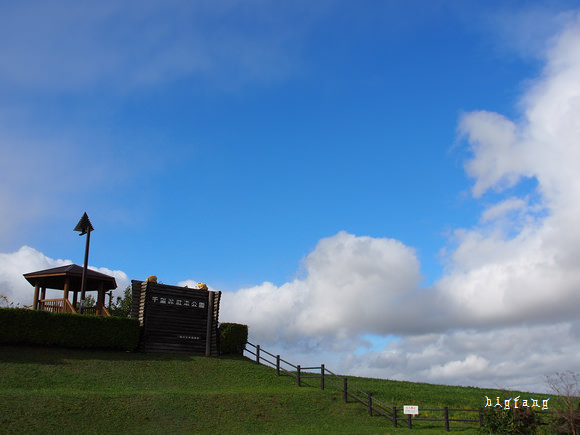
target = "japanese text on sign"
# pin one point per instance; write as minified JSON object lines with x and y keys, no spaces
{"x":188,"y":303}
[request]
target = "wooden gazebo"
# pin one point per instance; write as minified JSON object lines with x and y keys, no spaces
{"x":68,"y":278}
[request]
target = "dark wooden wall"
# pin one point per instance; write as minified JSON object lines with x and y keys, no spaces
{"x":176,"y":319}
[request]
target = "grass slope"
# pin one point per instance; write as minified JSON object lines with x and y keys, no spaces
{"x":52,"y":390}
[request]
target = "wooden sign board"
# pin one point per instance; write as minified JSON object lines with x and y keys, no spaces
{"x":176,"y":319}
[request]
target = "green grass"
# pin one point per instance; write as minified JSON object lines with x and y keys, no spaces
{"x":53,"y":390}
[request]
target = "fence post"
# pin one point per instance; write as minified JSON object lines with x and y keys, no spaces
{"x":278,"y":365}
{"x":298,"y":371}
{"x":446,"y":410}
{"x":480,"y":418}
{"x":409,"y":423}
{"x":395,"y":416}
{"x":258,"y":354}
{"x":371,"y":404}
{"x":322,"y":376}
{"x":345,"y":389}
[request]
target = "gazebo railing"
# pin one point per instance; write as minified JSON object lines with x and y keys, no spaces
{"x":64,"y":306}
{"x":95,"y":311}
{"x":56,"y":305}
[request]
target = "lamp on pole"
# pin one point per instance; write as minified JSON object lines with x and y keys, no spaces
{"x":85,"y":227}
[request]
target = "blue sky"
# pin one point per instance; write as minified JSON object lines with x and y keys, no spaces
{"x":417,"y":155}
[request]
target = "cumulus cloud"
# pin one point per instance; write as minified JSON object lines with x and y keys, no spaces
{"x":512,"y":286}
{"x":352,"y":286}
{"x":532,"y":275}
{"x":494,"y":140}
{"x":13,"y":265}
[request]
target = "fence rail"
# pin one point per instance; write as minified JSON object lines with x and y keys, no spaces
{"x":349,"y":390}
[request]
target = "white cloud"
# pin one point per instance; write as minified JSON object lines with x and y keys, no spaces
{"x":352,"y":286}
{"x":532,"y":275}
{"x":470,"y":367}
{"x":494,"y":141}
{"x":14,"y":265}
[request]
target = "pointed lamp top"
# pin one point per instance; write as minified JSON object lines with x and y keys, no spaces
{"x":84,"y":225}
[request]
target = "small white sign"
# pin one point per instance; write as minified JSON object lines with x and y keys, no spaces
{"x":411,"y":409}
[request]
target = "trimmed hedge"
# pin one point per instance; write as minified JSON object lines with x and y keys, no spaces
{"x":21,"y":326}
{"x":233,"y":338}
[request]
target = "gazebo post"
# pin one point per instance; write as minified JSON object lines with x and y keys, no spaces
{"x":66,"y":287}
{"x":35,"y":304}
{"x":42,"y":296}
{"x":100,"y":299}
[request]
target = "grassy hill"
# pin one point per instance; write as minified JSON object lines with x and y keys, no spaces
{"x":52,"y":390}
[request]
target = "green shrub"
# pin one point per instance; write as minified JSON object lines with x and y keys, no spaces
{"x":233,"y":338}
{"x":511,"y":421}
{"x":19,"y":326}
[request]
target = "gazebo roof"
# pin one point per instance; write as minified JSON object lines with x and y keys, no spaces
{"x":55,"y":278}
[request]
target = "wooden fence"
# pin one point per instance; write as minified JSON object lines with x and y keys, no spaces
{"x":374,"y":406}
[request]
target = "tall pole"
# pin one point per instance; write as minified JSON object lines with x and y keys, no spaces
{"x":84,"y":276}
{"x":85,"y":227}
